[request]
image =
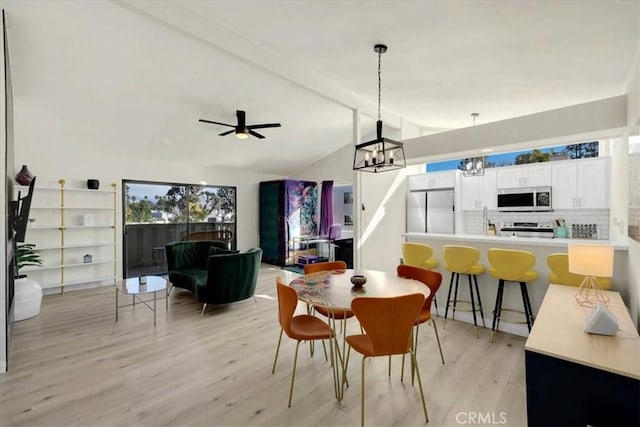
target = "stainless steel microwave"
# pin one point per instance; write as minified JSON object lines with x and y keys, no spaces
{"x":524,"y":199}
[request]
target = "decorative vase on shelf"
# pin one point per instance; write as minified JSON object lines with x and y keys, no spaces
{"x":93,"y":184}
{"x":24,"y":177}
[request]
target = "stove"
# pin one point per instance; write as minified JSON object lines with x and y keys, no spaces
{"x":527,"y":229}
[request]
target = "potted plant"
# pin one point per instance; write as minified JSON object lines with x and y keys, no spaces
{"x":28,"y":292}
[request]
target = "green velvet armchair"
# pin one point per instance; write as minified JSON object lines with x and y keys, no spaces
{"x":187,"y":262}
{"x":230,"y":278}
{"x":212,"y":273}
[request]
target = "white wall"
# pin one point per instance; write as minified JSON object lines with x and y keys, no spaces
{"x":75,"y":168}
{"x":619,"y":187}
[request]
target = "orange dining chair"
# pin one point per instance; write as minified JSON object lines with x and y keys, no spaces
{"x":334,"y":314}
{"x":388,"y":323}
{"x":433,"y":280}
{"x":327,"y":266}
{"x":303,"y":327}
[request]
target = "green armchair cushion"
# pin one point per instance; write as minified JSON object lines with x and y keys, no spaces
{"x":231,"y":277}
{"x":214,"y":250}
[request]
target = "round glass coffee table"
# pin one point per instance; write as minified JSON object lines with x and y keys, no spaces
{"x":135,"y":288}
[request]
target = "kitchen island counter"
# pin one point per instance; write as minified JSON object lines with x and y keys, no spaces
{"x":488,"y":285}
{"x":523,"y":241}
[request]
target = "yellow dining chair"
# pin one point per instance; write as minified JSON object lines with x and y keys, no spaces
{"x":302,"y":327}
{"x":463,"y":260}
{"x":508,"y":265}
{"x":388,"y":323}
{"x":559,"y":272}
{"x":418,"y":255}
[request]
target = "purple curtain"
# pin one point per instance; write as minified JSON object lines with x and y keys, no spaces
{"x":326,"y":207}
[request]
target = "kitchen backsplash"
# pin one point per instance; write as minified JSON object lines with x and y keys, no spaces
{"x":600,"y":217}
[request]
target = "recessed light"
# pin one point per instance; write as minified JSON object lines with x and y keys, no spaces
{"x":487,"y":150}
{"x":203,"y":182}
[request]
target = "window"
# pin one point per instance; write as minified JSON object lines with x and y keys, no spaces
{"x":158,"y":213}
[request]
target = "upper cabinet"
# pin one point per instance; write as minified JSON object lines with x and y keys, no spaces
{"x":445,"y":179}
{"x":532,"y":175}
{"x":581,"y":184}
{"x":476,"y":192}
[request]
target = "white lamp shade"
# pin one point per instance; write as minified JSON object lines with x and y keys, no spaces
{"x":591,"y":260}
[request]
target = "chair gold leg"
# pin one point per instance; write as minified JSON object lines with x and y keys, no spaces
{"x":414,"y":345}
{"x":401,"y":370}
{"x":424,"y":404}
{"x":362,"y":394}
{"x":390,"y":366}
{"x":275,"y":359}
{"x":435,"y":328}
{"x":293,"y":374}
{"x":204,"y":307}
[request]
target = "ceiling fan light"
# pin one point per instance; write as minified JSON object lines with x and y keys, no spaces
{"x":242,"y":135}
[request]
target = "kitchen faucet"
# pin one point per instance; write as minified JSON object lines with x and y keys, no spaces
{"x":485,"y":220}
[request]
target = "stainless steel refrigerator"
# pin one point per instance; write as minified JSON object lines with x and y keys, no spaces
{"x":431,"y":211}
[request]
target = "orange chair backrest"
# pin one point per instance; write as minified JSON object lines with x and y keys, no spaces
{"x":287,"y":303}
{"x":388,"y":321}
{"x":324,"y":266}
{"x":431,"y":278}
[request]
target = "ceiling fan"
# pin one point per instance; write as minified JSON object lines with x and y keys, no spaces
{"x":241,"y":129}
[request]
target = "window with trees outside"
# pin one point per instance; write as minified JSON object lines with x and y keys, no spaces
{"x":156,"y":213}
{"x":537,"y":155}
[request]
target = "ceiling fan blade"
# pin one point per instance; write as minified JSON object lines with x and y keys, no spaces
{"x":227,"y":132}
{"x":216,"y":123}
{"x":265,"y":125}
{"x":256,"y":134}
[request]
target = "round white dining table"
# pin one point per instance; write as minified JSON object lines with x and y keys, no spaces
{"x":333,"y":289}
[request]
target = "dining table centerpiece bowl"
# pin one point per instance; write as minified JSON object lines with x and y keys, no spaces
{"x":358,"y":280}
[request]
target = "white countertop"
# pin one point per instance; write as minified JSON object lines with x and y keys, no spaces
{"x":526,"y":241}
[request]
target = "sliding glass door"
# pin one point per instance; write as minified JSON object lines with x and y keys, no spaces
{"x":158,"y":213}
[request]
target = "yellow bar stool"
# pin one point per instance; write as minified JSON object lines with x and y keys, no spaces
{"x":463,"y":260}
{"x":559,"y":272}
{"x":419,"y":255}
{"x":508,"y":265}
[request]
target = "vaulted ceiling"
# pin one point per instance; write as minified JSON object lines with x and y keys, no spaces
{"x":134,"y":77}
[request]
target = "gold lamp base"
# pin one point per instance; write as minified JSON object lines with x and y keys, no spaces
{"x":589,"y":293}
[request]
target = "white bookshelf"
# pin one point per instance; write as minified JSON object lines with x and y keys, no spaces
{"x":70,"y":223}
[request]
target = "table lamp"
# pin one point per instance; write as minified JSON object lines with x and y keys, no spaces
{"x":591,"y":261}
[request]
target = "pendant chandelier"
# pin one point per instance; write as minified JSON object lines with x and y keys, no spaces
{"x":473,"y":166}
{"x":381,"y":154}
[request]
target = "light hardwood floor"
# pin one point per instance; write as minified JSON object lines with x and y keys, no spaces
{"x":73,"y":365}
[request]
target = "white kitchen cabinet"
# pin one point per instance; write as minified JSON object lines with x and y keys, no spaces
{"x":531,"y":175}
{"x":432,"y":180}
{"x":581,"y":184}
{"x":74,"y":230}
{"x":476,"y":192}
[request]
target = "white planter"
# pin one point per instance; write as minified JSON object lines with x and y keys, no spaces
{"x":27,"y":298}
